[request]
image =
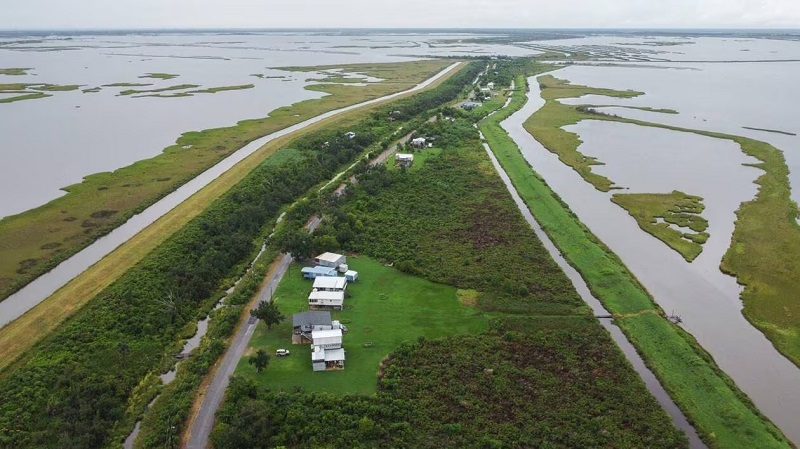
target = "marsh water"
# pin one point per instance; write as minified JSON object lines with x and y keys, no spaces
{"x":707,"y":300}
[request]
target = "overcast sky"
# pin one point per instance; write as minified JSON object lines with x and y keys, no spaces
{"x":38,"y":14}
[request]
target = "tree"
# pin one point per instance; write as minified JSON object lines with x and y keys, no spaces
{"x":260,"y":360}
{"x":268,"y":313}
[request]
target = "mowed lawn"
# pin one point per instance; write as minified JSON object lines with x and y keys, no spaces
{"x":386,"y":308}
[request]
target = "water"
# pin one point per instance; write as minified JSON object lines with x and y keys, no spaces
{"x":45,"y":285}
{"x":711,"y":313}
{"x":650,"y":380}
{"x":78,"y":133}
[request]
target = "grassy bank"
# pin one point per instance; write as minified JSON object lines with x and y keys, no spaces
{"x":37,"y":240}
{"x":675,"y":208}
{"x":722,"y":415}
{"x":15,"y":71}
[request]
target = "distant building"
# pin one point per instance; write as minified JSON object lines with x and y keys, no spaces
{"x":470,"y":105}
{"x":318,"y":271}
{"x":490,"y":85}
{"x":332,"y":260}
{"x":486,"y":90}
{"x":419,"y":142}
{"x":403,"y":159}
{"x":350,"y":134}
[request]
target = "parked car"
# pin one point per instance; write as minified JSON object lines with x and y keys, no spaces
{"x":282,"y":352}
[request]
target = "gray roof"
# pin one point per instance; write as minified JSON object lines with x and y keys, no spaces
{"x":312,"y":318}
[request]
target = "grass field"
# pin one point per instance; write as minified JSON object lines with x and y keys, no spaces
{"x":36,"y":240}
{"x":722,"y":414}
{"x":387,"y":307}
{"x":21,"y":334}
{"x":674,"y":208}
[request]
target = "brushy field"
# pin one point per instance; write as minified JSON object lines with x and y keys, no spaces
{"x":34,"y":241}
{"x":552,"y":382}
{"x":676,"y":208}
{"x":722,"y":415}
{"x":532,"y":380}
{"x":387,"y":307}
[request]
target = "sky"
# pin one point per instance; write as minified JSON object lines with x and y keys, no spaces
{"x":111,"y":14}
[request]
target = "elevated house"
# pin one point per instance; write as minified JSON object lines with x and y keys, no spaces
{"x":327,"y":352}
{"x":404,"y":160}
{"x":306,"y":323}
{"x":330,"y":284}
{"x":332,"y":260}
{"x":418,"y":142}
{"x":326,"y":300}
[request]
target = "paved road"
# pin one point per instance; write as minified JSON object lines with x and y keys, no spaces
{"x":202,"y":425}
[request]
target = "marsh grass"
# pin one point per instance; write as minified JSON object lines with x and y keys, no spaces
{"x":676,"y":208}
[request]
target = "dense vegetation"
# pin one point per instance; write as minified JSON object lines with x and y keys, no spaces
{"x":73,"y":386}
{"x":451,"y":221}
{"x":528,"y":382}
{"x":722,"y":415}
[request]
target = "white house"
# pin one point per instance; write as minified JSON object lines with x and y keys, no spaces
{"x":404,"y":159}
{"x":490,"y":85}
{"x":332,"y":260}
{"x":327,"y":339}
{"x":326,"y":300}
{"x":330,"y":284}
{"x":419,"y":142}
{"x":327,"y":359}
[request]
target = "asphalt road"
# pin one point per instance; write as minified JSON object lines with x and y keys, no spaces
{"x":202,"y":425}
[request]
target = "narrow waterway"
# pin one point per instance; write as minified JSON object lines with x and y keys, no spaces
{"x":711,"y":313}
{"x":650,"y":380}
{"x":37,"y":291}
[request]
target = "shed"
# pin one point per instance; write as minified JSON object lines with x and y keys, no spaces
{"x":327,"y":339}
{"x":330,"y":284}
{"x":328,"y":300}
{"x":351,"y":275}
{"x":469,"y":105}
{"x":318,"y":271}
{"x":332,"y":260}
{"x":350,"y":134}
{"x":404,"y":159}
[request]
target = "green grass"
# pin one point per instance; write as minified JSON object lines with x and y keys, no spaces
{"x":675,"y":208}
{"x":15,"y":71}
{"x":213,"y":90}
{"x":159,"y":76}
{"x":785,"y":133}
{"x":638,"y":108}
{"x":92,"y":90}
{"x":31,"y":96}
{"x":34,"y":241}
{"x":721,"y":413}
{"x":55,"y":87}
{"x":387,"y":307}
{"x":420,"y":156}
{"x":162,"y":89}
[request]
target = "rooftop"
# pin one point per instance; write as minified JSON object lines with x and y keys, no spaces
{"x":326,"y":296}
{"x":312,"y":318}
{"x":329,"y":257}
{"x":330,"y":282}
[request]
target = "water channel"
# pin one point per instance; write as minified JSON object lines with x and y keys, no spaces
{"x":711,"y":312}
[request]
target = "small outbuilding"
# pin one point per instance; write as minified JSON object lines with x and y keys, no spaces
{"x":350,"y":134}
{"x":470,"y":105}
{"x":327,"y":359}
{"x":351,"y":275}
{"x":332,"y":260}
{"x":318,"y":271}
